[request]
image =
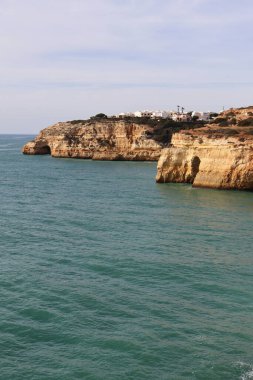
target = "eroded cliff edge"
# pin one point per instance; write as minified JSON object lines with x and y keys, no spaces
{"x":219,"y":155}
{"x":105,"y":139}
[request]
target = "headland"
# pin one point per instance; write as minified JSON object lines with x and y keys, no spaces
{"x":217,"y":153}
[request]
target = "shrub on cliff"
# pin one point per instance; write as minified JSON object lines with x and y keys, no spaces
{"x":246,"y":122}
{"x":213,"y":115}
{"x":232,"y":121}
{"x":219,"y":120}
{"x":227,"y":131}
{"x":99,"y":116}
{"x":77,"y":122}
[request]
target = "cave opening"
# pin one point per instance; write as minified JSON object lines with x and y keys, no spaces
{"x":195,"y":162}
{"x":45,"y":150}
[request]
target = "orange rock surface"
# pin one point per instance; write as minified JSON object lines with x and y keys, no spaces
{"x":219,"y":155}
{"x":99,"y":140}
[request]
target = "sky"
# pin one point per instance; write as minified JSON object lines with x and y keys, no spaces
{"x":71,"y":59}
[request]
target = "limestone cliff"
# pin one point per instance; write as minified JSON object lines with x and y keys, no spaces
{"x":219,"y":155}
{"x":104,"y":139}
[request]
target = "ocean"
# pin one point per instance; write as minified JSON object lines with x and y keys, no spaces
{"x":107,"y":275}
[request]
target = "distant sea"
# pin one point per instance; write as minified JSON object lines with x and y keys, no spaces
{"x":107,"y":275}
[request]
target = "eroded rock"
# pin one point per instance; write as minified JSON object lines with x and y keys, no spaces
{"x":216,"y":156}
{"x":99,"y":140}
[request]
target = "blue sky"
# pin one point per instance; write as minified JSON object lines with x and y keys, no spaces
{"x":70,"y":59}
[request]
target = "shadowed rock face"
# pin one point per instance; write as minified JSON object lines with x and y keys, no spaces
{"x":220,"y":155}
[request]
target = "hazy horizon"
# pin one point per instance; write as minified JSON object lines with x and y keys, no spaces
{"x":72,"y":59}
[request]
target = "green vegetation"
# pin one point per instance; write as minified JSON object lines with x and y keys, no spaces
{"x":228,"y":131}
{"x":99,"y":116}
{"x":160,"y":130}
{"x":246,"y":122}
{"x":213,"y":114}
{"x":73,"y":122}
{"x":163,"y":129}
{"x":219,"y":120}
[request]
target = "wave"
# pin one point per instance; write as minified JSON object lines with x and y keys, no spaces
{"x":247,"y":371}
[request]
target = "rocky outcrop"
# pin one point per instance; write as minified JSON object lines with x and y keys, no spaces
{"x":104,"y":139}
{"x":100,"y":140}
{"x":219,"y":155}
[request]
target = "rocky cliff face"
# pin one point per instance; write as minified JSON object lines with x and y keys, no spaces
{"x":104,"y":139}
{"x":100,"y":140}
{"x":219,"y":155}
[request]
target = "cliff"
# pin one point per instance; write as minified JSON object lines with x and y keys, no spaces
{"x":216,"y":155}
{"x":105,"y":139}
{"x":219,"y":155}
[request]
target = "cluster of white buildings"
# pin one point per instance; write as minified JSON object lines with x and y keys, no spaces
{"x":179,"y":115}
{"x":146,"y":113}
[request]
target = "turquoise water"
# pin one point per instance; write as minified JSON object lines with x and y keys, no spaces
{"x":107,"y":275}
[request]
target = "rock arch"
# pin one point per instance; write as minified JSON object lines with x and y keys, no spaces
{"x":45,"y":149}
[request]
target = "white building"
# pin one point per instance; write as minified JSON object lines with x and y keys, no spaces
{"x":180,"y":117}
{"x":125,"y":114}
{"x":143,"y":113}
{"x":203,"y":116}
{"x":161,"y":114}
